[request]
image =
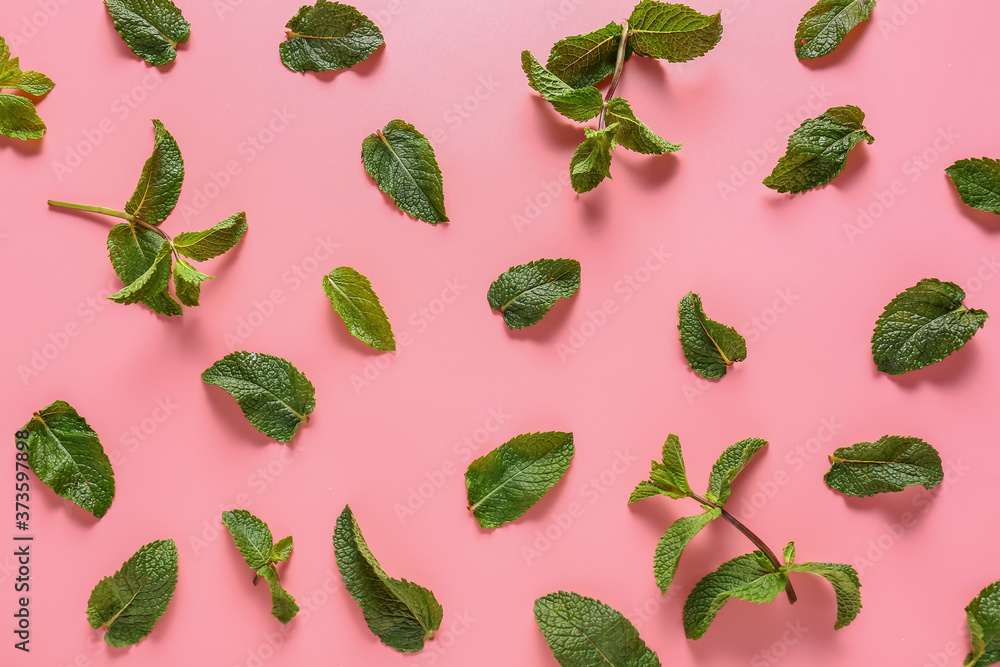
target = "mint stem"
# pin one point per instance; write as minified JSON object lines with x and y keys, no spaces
{"x":619,"y":66}
{"x":116,"y":214}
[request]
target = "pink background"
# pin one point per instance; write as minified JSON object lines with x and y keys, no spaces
{"x":798,"y":276}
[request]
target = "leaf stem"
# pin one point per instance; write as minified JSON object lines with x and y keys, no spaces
{"x":93,"y":209}
{"x":619,"y":66}
{"x":750,"y":535}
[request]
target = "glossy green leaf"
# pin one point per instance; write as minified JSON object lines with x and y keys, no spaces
{"x":353,"y":298}
{"x":672,"y":31}
{"x":523,"y":294}
{"x":890,"y":464}
{"x":983,"y":617}
{"x":133,"y":252}
{"x":730,"y":464}
{"x":402,"y":162}
{"x":151,"y":28}
{"x":579,"y":104}
{"x":187,"y":282}
{"x":253,"y":539}
{"x":846,"y":586}
{"x":160,"y":183}
{"x":154,"y":281}
{"x":18,"y":117}
{"x":214,"y":241}
{"x":671,"y":545}
{"x":583,"y":60}
{"x":283,"y":606}
{"x":328,"y":36}
{"x":669,"y":477}
{"x":709,"y":346}
{"x":591,"y":161}
{"x":827,"y":23}
{"x":632,"y":133}
{"x":978,"y":182}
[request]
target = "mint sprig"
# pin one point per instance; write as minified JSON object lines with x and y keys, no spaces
{"x":890,"y":464}
{"x":253,"y":538}
{"x":328,"y":36}
{"x":827,"y":23}
{"x":151,"y":28}
{"x":18,"y":117}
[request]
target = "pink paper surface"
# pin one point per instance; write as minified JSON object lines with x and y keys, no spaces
{"x":803,"y":278}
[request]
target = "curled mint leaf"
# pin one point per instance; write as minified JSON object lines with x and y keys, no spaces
{"x":668,"y":478}
{"x":827,"y":23}
{"x":133,"y":253}
{"x":253,"y":539}
{"x":579,"y":104}
{"x":730,"y":464}
{"x":584,"y":632}
{"x":977,"y":181}
{"x":845,"y":582}
{"x":151,"y":28}
{"x":817,"y":150}
{"x":583,"y":60}
{"x":212,"y":242}
{"x":400,"y":613}
{"x":275,"y":397}
{"x":672,"y":31}
{"x":591,"y":161}
{"x":632,"y":133}
{"x":130,"y":602}
{"x":671,"y":545}
{"x":328,"y":36}
{"x":523,"y":294}
{"x":187,"y":282}
{"x":506,"y":482}
{"x":922,"y":325}
{"x":18,"y":118}
{"x":402,"y":163}
{"x":890,"y":464}
{"x":353,"y":298}
{"x":709,"y":347}
{"x":983,"y":617}
{"x":67,"y":456}
{"x":153,"y":282}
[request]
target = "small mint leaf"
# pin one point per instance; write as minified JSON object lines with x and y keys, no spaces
{"x":730,"y":464}
{"x":845,"y":583}
{"x":633,"y":134}
{"x":402,"y":162}
{"x":160,"y":182}
{"x":583,"y":60}
{"x":978,"y":182}
{"x":252,"y":537}
{"x":580,"y":104}
{"x":671,"y":545}
{"x":151,"y":28}
{"x":187,"y":282}
{"x":353,"y":298}
{"x":827,"y":23}
{"x":524,"y":294}
{"x":153,"y":282}
{"x":709,"y":347}
{"x":212,"y":242}
{"x":591,"y":161}
{"x":328,"y":36}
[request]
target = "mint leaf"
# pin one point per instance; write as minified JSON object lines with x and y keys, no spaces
{"x":402,"y":162}
{"x":583,"y":60}
{"x":281,"y":550}
{"x":591,"y":161}
{"x":214,"y":241}
{"x":328,"y":36}
{"x":151,"y":28}
{"x":283,"y":606}
{"x":523,"y":294}
{"x":671,"y":545}
{"x":133,"y":252}
{"x":130,"y":602}
{"x":846,"y":586}
{"x":67,"y":456}
{"x":817,"y":150}
{"x":892,"y":463}
{"x":983,"y":616}
{"x":709,"y":347}
{"x":632,"y":133}
{"x":826,"y":25}
{"x":668,"y":478}
{"x":18,"y":118}
{"x":584,"y":632}
{"x":187,"y":282}
{"x":14,"y":78}
{"x":160,"y":183}
{"x":253,"y":539}
{"x":673,"y":32}
{"x":576,"y":104}
{"x":750,"y":577}
{"x":153,"y":282}
{"x":922,"y":326}
{"x":730,"y":464}
{"x":506,"y":482}
{"x":398,"y":612}
{"x":352,"y":296}
{"x":274,"y":396}
{"x":978,"y":182}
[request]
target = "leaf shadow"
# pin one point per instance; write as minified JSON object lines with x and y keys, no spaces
{"x":344,"y":337}
{"x":26,"y":148}
{"x":656,"y":514}
{"x":557,"y":130}
{"x":594,"y":206}
{"x":54,"y":503}
{"x":949,"y":371}
{"x":652,"y":171}
{"x":988,"y":222}
{"x":857,"y":163}
{"x":650,"y":70}
{"x":365,"y":68}
{"x":891,"y":505}
{"x":844,"y":50}
{"x":550,"y":326}
{"x":225,"y":407}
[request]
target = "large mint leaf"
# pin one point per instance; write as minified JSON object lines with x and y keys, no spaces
{"x":67,"y":456}
{"x":750,"y":577}
{"x":817,"y":150}
{"x":584,"y":632}
{"x":274,"y":396}
{"x":671,"y":31}
{"x":133,"y":252}
{"x":130,"y":602}
{"x":632,"y":133}
{"x":892,"y":463}
{"x":253,"y":539}
{"x":827,"y":23}
{"x":352,"y":296}
{"x":709,"y":347}
{"x":187,"y":282}
{"x":983,"y":616}
{"x":506,"y":482}
{"x":523,"y":294}
{"x":153,"y":282}
{"x":922,"y":326}
{"x":398,"y":612}
{"x":583,"y":60}
{"x":978,"y":182}
{"x":591,"y":161}
{"x":328,"y":36}
{"x":402,"y":162}
{"x":846,"y":586}
{"x":671,"y":545}
{"x":579,"y":104}
{"x":151,"y":28}
{"x":730,"y":464}
{"x":160,"y":183}
{"x":668,"y":478}
{"x":214,"y":241}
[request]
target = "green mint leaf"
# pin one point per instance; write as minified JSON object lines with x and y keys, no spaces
{"x":523,"y":294}
{"x":283,"y":606}
{"x":130,"y":602}
{"x":671,"y":545}
{"x":983,"y":615}
{"x":892,"y":463}
{"x":789,"y":553}
{"x":352,"y":296}
{"x":583,"y":60}
{"x":13,"y":77}
{"x":67,"y":456}
{"x":252,"y":537}
{"x":845,"y":583}
{"x":591,"y":161}
{"x":18,"y":118}
{"x":576,"y":104}
{"x":328,"y":36}
{"x":505,"y":483}
{"x":749,"y":577}
{"x":153,"y":282}
{"x":730,"y":464}
{"x":151,"y":28}
{"x":402,"y":163}
{"x":673,"y":32}
{"x":922,"y":326}
{"x":160,"y":183}
{"x":584,"y":632}
{"x":644,"y":489}
{"x":709,"y":347}
{"x":978,"y":182}
{"x":826,"y":25}
{"x":633,"y":134}
{"x":670,"y":476}
{"x":817,"y":150}
{"x":281,"y":550}
{"x":398,"y":612}
{"x":274,"y":396}
{"x":133,"y":251}
{"x":212,"y":242}
{"x":187,"y":282}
